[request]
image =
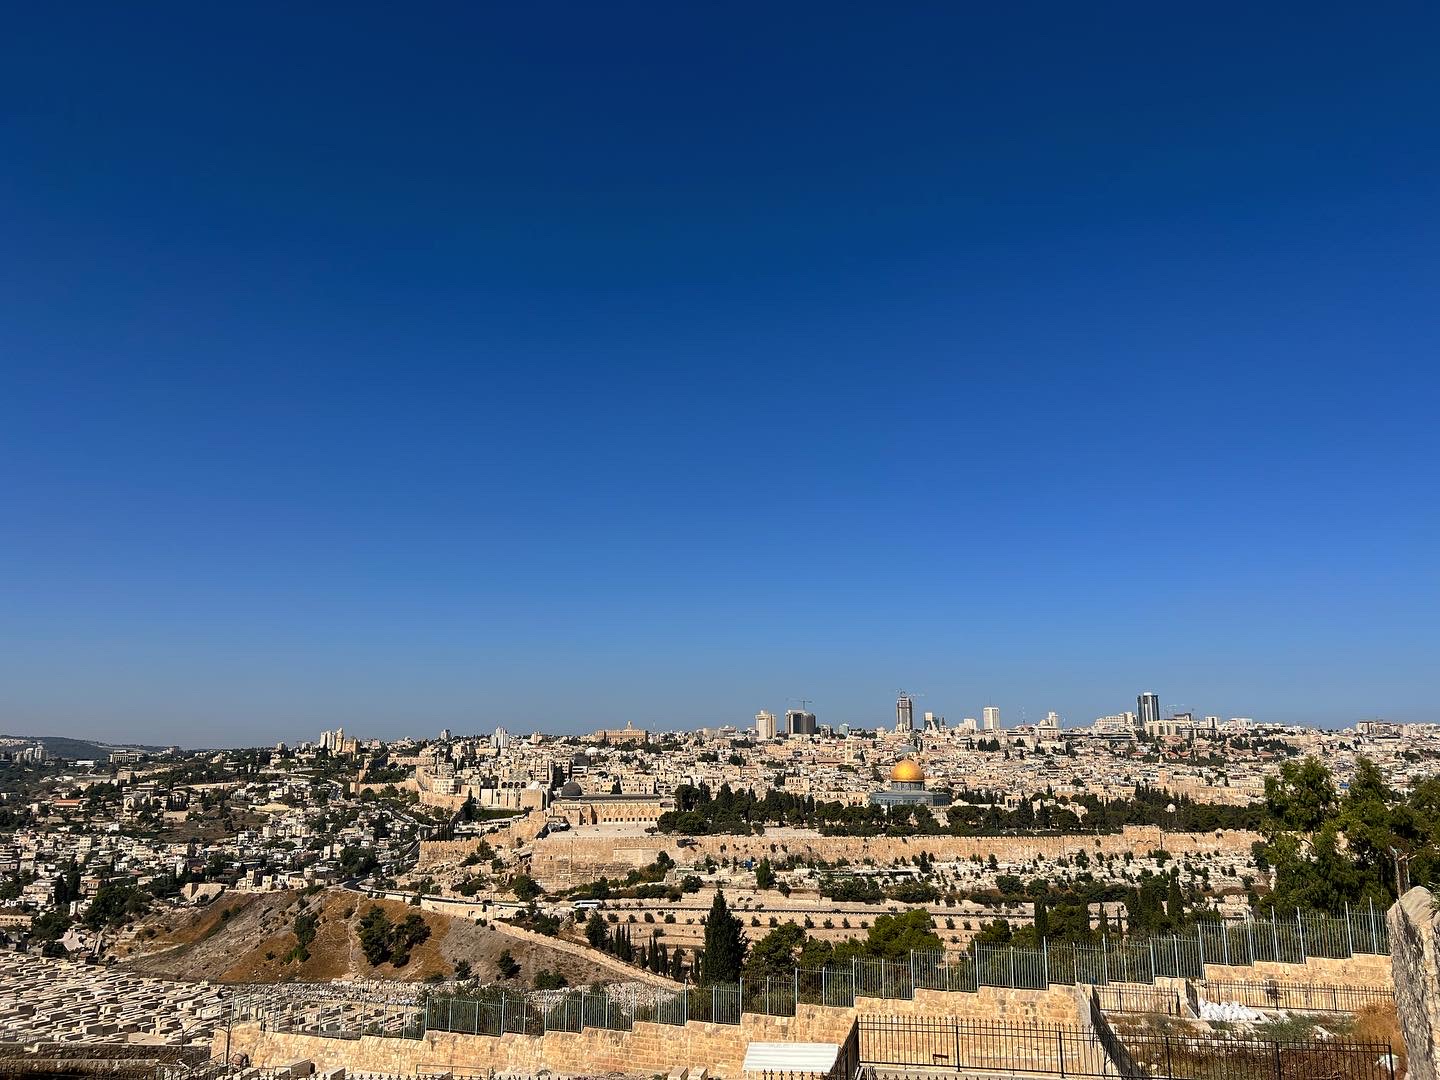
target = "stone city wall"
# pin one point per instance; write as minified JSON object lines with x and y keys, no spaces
{"x":577,"y":856}
{"x":517,"y":833}
{"x":438,"y":852}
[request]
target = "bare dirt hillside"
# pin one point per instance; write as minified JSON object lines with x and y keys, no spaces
{"x":251,"y":938}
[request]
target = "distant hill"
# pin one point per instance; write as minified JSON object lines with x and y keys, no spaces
{"x":83,"y":749}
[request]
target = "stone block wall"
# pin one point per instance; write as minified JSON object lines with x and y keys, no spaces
{"x":1053,"y":1006}
{"x":1359,"y":970}
{"x":573,"y":857}
{"x":649,"y":1048}
{"x":1413,"y":947}
{"x":645,"y":1051}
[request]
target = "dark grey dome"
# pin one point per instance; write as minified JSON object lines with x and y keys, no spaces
{"x":572,"y":790}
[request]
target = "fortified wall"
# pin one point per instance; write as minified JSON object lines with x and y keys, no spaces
{"x":570,"y":858}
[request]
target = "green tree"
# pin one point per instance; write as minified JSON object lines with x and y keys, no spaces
{"x":724,"y":954}
{"x":507,"y":967}
{"x":764,"y":875}
{"x":894,"y":937}
{"x":777,"y":953}
{"x":1302,"y":796}
{"x":374,"y":935}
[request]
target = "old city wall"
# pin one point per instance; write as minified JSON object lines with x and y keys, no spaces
{"x":573,"y":857}
{"x":438,"y":852}
{"x":442,"y":802}
{"x":518,"y":833}
{"x":647,"y":1050}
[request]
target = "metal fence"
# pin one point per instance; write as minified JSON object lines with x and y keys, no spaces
{"x":490,"y":1012}
{"x":1301,"y":997}
{"x":1257,"y":1059}
{"x":944,"y":1044}
{"x":1122,"y":998}
{"x":1134,"y":963}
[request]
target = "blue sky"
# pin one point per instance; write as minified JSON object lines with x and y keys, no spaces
{"x":468,"y":365}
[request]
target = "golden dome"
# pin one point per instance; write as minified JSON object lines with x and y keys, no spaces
{"x":907,"y":771}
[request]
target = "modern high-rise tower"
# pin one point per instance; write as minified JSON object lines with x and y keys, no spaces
{"x":1148,"y":711}
{"x":765,"y":725}
{"x":904,"y":712}
{"x":990,"y":718}
{"x":799,"y":722}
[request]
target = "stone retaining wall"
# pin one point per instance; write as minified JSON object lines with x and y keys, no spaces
{"x":1413,"y":944}
{"x":648,"y":1049}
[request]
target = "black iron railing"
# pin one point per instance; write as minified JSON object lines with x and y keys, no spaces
{"x":1301,"y":997}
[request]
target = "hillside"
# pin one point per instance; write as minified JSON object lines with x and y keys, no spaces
{"x":251,"y":938}
{"x":63,"y":746}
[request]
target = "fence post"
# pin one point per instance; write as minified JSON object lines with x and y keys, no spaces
{"x":1059,"y":1045}
{"x":1275,"y":934}
{"x":1200,"y":940}
{"x":1279,"y":1066}
{"x":796,"y":1010}
{"x":912,"y":973}
{"x":1169,"y":1062}
{"x":1104,"y":959}
{"x":1349,"y":931}
{"x":1152,"y":959}
{"x":1045,"y":960}
{"x":685,"y":1002}
{"x":1374,"y":944}
{"x":1012,"y":967}
{"x":1300,"y":926}
{"x":504,"y":995}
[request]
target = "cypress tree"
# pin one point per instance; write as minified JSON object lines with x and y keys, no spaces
{"x":724,"y":944}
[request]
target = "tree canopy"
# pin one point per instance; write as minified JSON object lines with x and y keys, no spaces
{"x":1329,"y":848}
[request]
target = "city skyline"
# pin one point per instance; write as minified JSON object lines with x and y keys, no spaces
{"x":594,"y":366}
{"x":762,"y":720}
